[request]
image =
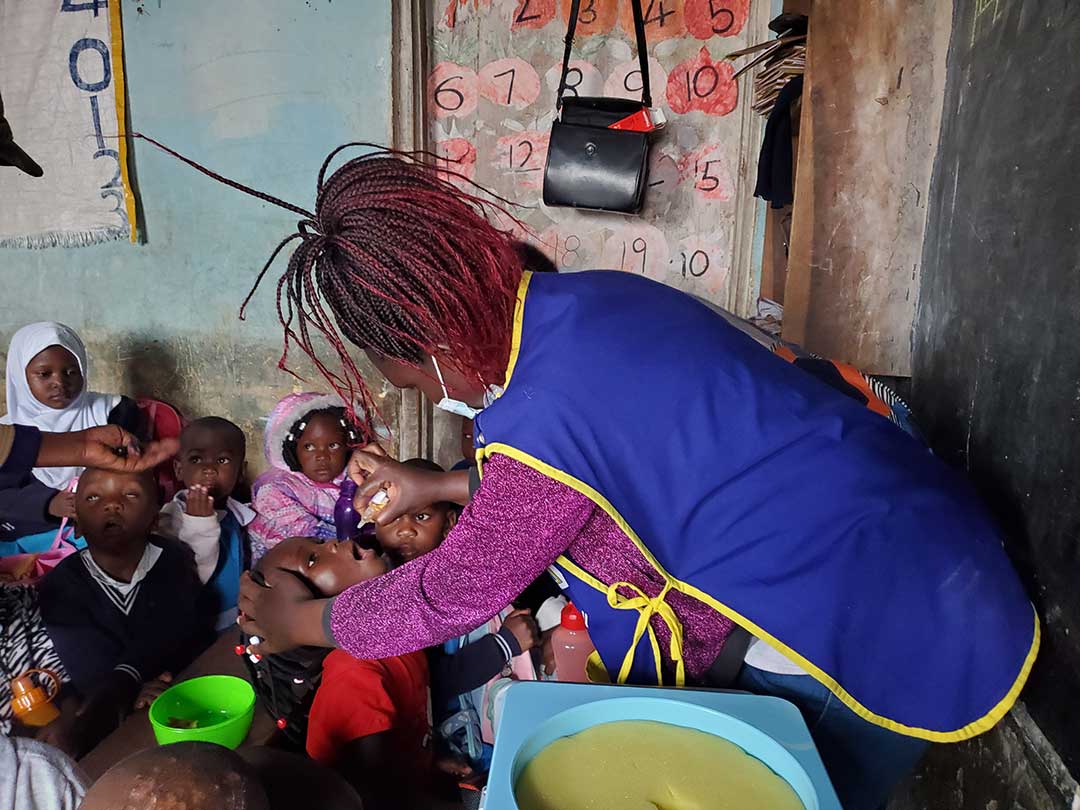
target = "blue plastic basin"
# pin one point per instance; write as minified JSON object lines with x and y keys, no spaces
{"x":675,"y":713}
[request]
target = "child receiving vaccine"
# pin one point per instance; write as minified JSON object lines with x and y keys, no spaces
{"x":47,"y":377}
{"x":307,"y":444}
{"x":204,"y":515}
{"x":470,"y":673}
{"x":369,"y":719}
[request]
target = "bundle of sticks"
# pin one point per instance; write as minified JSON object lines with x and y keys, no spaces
{"x":780,"y":59}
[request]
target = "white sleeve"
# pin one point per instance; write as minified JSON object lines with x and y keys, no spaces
{"x":201,"y":534}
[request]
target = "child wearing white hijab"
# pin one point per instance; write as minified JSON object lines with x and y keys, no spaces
{"x":47,"y":370}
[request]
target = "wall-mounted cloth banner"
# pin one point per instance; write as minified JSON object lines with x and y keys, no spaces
{"x":62,"y":81}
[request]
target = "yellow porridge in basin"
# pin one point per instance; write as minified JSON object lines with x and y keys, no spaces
{"x":644,"y":765}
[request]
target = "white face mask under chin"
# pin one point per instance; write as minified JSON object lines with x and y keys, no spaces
{"x":455,"y":405}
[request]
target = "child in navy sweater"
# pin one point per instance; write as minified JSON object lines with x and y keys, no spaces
{"x":107,"y":619}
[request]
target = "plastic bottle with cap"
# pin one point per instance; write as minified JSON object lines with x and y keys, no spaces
{"x":349,"y":523}
{"x":30,"y":703}
{"x":346,"y":518}
{"x":572,"y":646}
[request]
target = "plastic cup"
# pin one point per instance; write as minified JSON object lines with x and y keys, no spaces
{"x":218,"y":708}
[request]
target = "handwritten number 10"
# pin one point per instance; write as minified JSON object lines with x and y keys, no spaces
{"x":695,"y":83}
{"x":697,"y":263}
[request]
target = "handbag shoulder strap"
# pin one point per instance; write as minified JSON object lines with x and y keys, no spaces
{"x":642,"y":50}
{"x":642,"y":53}
{"x":571,"y":26}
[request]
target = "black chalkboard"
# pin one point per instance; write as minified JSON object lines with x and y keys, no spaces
{"x":996,"y":375}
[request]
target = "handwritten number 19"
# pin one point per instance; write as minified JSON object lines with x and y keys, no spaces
{"x":638,"y":246}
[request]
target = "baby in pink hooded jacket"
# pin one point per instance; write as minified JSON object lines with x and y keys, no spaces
{"x":307,"y":443}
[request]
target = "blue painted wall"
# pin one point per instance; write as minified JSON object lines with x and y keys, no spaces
{"x":260,"y":91}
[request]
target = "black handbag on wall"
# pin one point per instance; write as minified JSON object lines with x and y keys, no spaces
{"x":590,"y":165}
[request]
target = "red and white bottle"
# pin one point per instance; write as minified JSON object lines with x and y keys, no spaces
{"x":572,"y":646}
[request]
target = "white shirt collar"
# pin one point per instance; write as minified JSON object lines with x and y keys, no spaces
{"x":122,"y":594}
{"x":243,"y":513}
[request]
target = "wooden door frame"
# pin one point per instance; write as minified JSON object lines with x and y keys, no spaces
{"x":422,"y":431}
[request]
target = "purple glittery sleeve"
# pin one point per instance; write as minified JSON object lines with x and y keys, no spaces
{"x":517,"y":524}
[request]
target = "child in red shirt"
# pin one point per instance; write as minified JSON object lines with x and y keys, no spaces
{"x":362,"y":698}
{"x":369,"y":719}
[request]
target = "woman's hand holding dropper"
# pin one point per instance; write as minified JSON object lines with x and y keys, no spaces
{"x":408,"y":488}
{"x":108,"y":447}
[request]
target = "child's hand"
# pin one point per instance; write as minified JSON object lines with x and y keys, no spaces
{"x":62,"y":505}
{"x":523,"y":626}
{"x":453,"y":766}
{"x":63,"y":733}
{"x":199,"y":502}
{"x":548,"y":652}
{"x":151,"y":690}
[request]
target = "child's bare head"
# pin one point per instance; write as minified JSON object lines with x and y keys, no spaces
{"x":183,"y":776}
{"x":326,"y":568}
{"x":116,"y":509}
{"x":421,"y":530}
{"x":212,"y":451}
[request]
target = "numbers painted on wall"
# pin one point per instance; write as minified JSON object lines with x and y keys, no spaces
{"x":452,"y":89}
{"x":523,"y":155}
{"x":532,"y":14}
{"x":703,"y":85}
{"x":509,"y":82}
{"x":716,"y":18}
{"x":90,"y":69}
{"x":492,"y":95}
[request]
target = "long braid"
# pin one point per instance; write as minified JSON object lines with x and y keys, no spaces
{"x":403,"y":262}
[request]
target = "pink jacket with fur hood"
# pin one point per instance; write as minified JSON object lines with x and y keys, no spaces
{"x":288,"y":503}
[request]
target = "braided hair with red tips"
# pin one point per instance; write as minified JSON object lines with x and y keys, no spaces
{"x":403,"y":261}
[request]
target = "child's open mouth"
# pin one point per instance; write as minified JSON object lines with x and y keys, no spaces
{"x":113,"y":525}
{"x":361,"y":554}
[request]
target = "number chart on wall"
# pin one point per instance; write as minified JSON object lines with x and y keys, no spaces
{"x":492,"y":98}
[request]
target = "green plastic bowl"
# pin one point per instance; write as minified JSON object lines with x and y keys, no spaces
{"x":221,"y":706}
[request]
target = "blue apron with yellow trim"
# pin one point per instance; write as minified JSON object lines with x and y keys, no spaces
{"x":756,"y":488}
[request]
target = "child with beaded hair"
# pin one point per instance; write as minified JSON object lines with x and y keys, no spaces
{"x":307,"y":444}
